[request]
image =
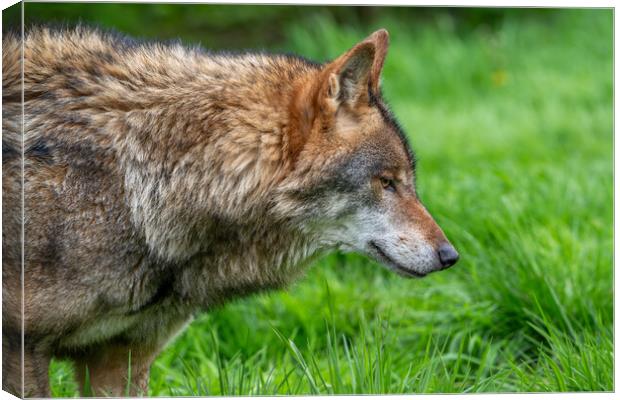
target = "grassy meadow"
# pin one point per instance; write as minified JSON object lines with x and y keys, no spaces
{"x":511,"y":120}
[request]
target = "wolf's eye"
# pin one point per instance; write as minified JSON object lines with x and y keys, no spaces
{"x":387,"y":184}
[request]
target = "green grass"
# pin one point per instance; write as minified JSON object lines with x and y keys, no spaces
{"x":513,"y":130}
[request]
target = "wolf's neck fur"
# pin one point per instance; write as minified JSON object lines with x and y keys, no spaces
{"x":210,"y":153}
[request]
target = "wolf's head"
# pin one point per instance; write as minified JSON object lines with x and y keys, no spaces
{"x":354,"y":172}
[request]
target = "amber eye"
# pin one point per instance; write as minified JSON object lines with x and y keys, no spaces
{"x":387,"y":183}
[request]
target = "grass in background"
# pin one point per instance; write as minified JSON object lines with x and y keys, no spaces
{"x":513,"y":130}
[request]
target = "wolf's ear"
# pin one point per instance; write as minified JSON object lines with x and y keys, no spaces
{"x":352,"y":75}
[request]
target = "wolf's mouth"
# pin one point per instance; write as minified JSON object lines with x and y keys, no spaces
{"x":395,"y":266}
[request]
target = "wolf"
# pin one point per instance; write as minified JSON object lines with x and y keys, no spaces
{"x":160,"y":180}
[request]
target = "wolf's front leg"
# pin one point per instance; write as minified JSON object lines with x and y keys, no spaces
{"x":116,"y":370}
{"x":27,"y":376}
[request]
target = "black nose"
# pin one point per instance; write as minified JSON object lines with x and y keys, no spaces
{"x":447,"y":255}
